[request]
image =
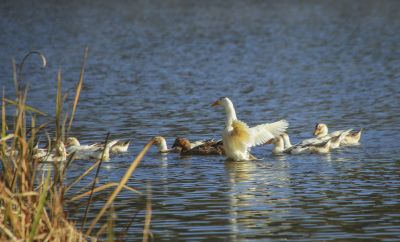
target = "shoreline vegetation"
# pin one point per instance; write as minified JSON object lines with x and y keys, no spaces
{"x":33,"y":201}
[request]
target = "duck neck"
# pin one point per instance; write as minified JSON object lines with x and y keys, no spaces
{"x":230,"y":113}
{"x":75,"y":142}
{"x":286,"y":141}
{"x":162,"y":146}
{"x":278,"y":146}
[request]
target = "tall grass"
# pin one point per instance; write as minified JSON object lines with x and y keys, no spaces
{"x":33,"y":201}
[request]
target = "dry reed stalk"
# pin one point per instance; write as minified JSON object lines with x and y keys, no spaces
{"x":123,"y":181}
{"x":101,"y":188}
{"x":94,"y":182}
{"x":78,"y":89}
{"x":146,"y":229}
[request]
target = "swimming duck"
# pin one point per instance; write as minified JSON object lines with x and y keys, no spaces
{"x":282,"y":145}
{"x":295,"y":149}
{"x":57,"y":153}
{"x":162,"y":145}
{"x":352,"y":137}
{"x":209,"y":147}
{"x":119,"y":146}
{"x":238,"y":137}
{"x":336,"y":141}
{"x":95,"y":152}
{"x":163,"y":148}
{"x":322,"y":148}
{"x":321,"y":130}
{"x":73,"y":145}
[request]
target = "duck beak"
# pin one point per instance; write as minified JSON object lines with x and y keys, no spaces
{"x":216,"y":103}
{"x":316,"y":132}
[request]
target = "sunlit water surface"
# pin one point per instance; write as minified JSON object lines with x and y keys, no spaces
{"x":155,"y":67}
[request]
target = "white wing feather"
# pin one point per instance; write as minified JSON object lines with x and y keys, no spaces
{"x":262,"y":133}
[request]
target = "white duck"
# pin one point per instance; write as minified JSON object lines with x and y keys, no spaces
{"x":282,"y":145}
{"x":73,"y":145}
{"x":94,"y":151}
{"x":162,"y":145}
{"x":57,"y":153}
{"x":352,"y":137}
{"x":119,"y":146}
{"x":238,"y":138}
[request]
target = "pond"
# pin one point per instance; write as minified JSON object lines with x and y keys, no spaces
{"x":155,"y":67}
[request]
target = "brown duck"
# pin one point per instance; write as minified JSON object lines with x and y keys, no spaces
{"x":209,"y":147}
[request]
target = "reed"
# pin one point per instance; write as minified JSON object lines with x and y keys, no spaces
{"x":32,"y":201}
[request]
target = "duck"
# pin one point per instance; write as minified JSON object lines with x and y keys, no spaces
{"x":209,"y":147}
{"x":95,"y":152}
{"x":321,"y":148}
{"x":48,"y":154}
{"x":336,"y":141}
{"x":163,"y":147}
{"x":352,"y":137}
{"x":283,"y":145}
{"x":238,"y":138}
{"x":294,"y":149}
{"x":73,"y":145}
{"x":119,"y":146}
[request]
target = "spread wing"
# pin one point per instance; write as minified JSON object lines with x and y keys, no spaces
{"x":262,"y":133}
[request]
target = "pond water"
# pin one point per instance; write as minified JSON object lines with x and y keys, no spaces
{"x":155,"y":67}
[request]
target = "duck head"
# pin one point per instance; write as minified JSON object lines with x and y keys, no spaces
{"x":320,"y":130}
{"x":229,"y":109}
{"x":222,"y":101}
{"x":161,"y":143}
{"x":182,"y":143}
{"x":72,"y":141}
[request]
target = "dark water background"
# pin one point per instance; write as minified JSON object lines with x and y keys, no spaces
{"x":155,"y":67}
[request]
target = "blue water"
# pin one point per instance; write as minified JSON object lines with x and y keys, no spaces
{"x":154,"y":68}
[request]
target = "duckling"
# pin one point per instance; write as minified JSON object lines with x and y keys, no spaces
{"x":209,"y":147}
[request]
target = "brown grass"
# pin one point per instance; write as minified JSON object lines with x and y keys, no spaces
{"x":32,"y":202}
